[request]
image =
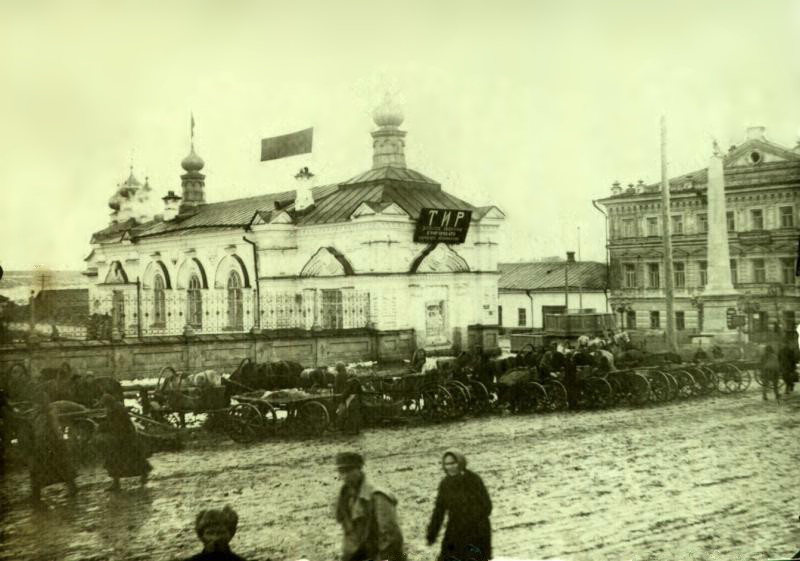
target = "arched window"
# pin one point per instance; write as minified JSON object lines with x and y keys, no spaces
{"x":235,"y":301}
{"x":159,"y":301}
{"x":194,"y":314}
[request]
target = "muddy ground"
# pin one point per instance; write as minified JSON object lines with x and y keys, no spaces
{"x":715,"y":478}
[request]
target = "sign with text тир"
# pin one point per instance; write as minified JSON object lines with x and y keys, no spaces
{"x":445,"y":225}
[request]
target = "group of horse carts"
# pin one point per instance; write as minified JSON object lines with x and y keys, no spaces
{"x":259,"y":400}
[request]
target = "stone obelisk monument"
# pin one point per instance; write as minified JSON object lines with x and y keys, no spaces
{"x":719,"y":295}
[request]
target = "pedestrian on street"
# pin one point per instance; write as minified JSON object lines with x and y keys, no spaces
{"x":216,"y":529}
{"x":367,"y":515}
{"x":463,"y":497}
{"x":787,"y":362}
{"x":769,"y":372}
{"x":50,"y":458}
{"x":122,"y":448}
{"x":349,"y":411}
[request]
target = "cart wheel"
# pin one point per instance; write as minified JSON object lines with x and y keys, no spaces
{"x":598,"y":392}
{"x":312,"y":419}
{"x":245,"y":423}
{"x":436,"y":403}
{"x":536,"y":396}
{"x":686,"y":384}
{"x":659,"y":387}
{"x":556,"y":396}
{"x":638,"y":388}
{"x":480,"y":398}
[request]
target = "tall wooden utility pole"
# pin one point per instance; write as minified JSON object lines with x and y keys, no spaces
{"x":669,"y":291}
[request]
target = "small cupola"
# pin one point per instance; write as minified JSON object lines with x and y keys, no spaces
{"x":193,"y":182}
{"x":388,"y":141}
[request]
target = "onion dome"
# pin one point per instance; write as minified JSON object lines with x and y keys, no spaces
{"x":388,"y":114}
{"x":192,"y":162}
{"x":115,"y":201}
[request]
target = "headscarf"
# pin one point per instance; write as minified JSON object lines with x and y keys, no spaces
{"x":460,"y":458}
{"x":226,"y":517}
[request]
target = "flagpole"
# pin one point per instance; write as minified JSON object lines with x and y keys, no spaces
{"x":669,"y":291}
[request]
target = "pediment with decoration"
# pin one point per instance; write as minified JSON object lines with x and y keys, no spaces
{"x":755,"y":152}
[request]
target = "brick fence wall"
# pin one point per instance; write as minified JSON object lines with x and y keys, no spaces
{"x":130,"y":359}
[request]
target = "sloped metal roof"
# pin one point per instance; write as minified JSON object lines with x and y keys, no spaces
{"x":409,"y":189}
{"x":549,"y":276}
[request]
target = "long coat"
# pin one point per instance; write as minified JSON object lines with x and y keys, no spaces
{"x":468,"y":535}
{"x":50,"y":461}
{"x":124,"y":454}
{"x":369,"y":524}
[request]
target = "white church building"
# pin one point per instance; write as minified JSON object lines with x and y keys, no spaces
{"x":321,"y":257}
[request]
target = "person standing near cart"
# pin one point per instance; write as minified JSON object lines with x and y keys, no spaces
{"x":122,"y":448}
{"x":787,"y":361}
{"x":50,"y":457}
{"x":367,"y":514}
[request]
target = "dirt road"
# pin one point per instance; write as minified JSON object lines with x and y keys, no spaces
{"x":715,"y":478}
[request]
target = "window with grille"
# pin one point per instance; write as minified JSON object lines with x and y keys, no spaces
{"x":787,"y":271}
{"x":702,"y":223}
{"x":159,"y":301}
{"x":680,"y":321}
{"x":655,"y":319}
{"x":734,"y":271}
{"x":787,"y":217}
{"x":522,"y":317}
{"x":756,"y":219}
{"x":332,"y":309}
{"x":680,"y":274}
{"x":677,"y":224}
{"x":630,"y":275}
{"x":703,"y":272}
{"x":235,"y":315}
{"x":731,"y":219}
{"x":653,"y":275}
{"x":630,"y":319}
{"x":652,"y":226}
{"x":194,"y":299}
{"x":789,"y":320}
{"x":759,"y":271}
{"x":118,"y":311}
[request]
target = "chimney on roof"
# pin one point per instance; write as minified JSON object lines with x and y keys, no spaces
{"x":171,"y":206}
{"x":304,"y":197}
{"x":570,"y":257}
{"x":757,"y":133}
{"x":616,"y":188}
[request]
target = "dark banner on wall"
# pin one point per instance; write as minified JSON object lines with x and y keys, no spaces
{"x":442,"y":225}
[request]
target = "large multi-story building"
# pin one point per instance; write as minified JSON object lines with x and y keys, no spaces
{"x":762,"y":196}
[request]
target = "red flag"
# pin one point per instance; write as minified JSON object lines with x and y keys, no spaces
{"x":287,"y":145}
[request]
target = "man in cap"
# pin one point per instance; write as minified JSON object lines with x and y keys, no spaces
{"x":216,"y":528}
{"x":367,"y":515}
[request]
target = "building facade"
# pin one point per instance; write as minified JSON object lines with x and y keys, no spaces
{"x":762,"y":199}
{"x":528,"y":291}
{"x":320,"y":257}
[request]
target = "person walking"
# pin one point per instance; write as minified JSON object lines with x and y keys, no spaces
{"x":367,"y":514}
{"x":787,"y":362}
{"x":50,"y":458}
{"x":124,"y":455}
{"x":769,"y":372}
{"x":463,"y":497}
{"x":216,"y":529}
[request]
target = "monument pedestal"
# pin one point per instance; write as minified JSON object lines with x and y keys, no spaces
{"x":715,"y":318}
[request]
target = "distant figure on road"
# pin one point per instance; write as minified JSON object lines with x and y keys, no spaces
{"x":769,"y":372}
{"x":216,"y":528}
{"x":124,"y":455}
{"x":463,"y":497}
{"x":787,"y":361}
{"x":367,"y":515}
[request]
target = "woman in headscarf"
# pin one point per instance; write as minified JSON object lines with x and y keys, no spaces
{"x":216,"y":529}
{"x":124,"y":454}
{"x":463,"y":497}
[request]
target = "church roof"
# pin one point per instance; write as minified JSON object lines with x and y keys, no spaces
{"x":334,"y":203}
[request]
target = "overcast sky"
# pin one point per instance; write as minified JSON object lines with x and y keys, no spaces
{"x":534,"y":106}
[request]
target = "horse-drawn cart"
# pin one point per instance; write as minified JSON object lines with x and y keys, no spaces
{"x":258,"y":414}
